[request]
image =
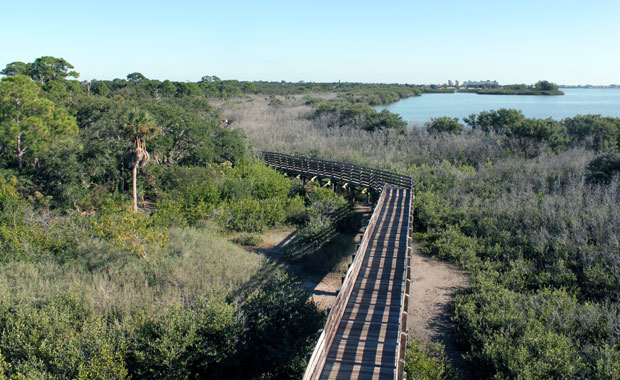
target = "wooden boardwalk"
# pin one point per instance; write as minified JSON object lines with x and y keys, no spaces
{"x":365,"y":334}
{"x":367,"y":340}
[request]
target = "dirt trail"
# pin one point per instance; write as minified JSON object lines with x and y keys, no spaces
{"x":433,"y":286}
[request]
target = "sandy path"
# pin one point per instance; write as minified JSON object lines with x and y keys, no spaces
{"x":433,"y":286}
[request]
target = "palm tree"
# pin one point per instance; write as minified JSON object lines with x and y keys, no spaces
{"x":140,"y":127}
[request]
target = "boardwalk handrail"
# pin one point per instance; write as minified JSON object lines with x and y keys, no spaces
{"x":317,"y":360}
{"x":374,"y":179}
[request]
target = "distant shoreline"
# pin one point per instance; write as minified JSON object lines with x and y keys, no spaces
{"x":499,"y":91}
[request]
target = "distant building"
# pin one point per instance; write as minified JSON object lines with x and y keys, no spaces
{"x":449,"y":83}
{"x":482,"y":83}
{"x":457,"y":83}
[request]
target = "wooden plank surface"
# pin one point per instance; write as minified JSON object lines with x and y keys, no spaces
{"x":367,"y":337}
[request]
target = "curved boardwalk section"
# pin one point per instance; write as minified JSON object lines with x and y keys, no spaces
{"x":365,"y":334}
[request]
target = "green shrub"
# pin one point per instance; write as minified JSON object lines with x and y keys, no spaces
{"x":604,"y":167}
{"x":170,"y":212}
{"x":281,"y":325}
{"x":131,"y":231}
{"x":432,"y":211}
{"x":296,"y":211}
{"x":445,"y":125}
{"x":27,"y":236}
{"x":60,"y":338}
{"x":452,"y":245}
{"x":256,"y":180}
{"x":248,"y":239}
{"x":427,"y":361}
{"x":252,"y":215}
{"x":181,"y":342}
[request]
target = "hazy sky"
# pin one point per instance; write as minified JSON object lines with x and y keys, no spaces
{"x":416,"y":41}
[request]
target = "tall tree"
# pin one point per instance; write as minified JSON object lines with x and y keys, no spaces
{"x":16,"y":68}
{"x":30,"y":124}
{"x":135,"y":77}
{"x":45,"y":69}
{"x":139,"y":127}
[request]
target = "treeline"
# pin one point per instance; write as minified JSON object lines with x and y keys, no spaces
{"x":50,"y":69}
{"x":539,"y":88}
{"x":93,"y":289}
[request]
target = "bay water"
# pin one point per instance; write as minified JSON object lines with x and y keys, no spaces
{"x":576,"y":101}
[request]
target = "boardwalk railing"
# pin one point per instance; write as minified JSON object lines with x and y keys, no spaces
{"x":373,"y":179}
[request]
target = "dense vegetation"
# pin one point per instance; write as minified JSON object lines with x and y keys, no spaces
{"x":529,"y":206}
{"x":92,"y":289}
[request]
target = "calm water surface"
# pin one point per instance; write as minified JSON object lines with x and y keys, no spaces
{"x":576,"y":101}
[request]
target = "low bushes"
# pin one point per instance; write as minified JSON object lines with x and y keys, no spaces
{"x":427,"y":361}
{"x":542,"y":245}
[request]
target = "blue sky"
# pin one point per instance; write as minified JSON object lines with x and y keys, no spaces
{"x":568,"y":42}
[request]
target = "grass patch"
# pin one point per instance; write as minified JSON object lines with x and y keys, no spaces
{"x":195,"y":263}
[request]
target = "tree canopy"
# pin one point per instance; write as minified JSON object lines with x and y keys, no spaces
{"x":30,"y":124}
{"x":42,"y":70}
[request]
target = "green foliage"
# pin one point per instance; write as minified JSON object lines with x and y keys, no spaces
{"x":100,"y":88}
{"x":522,"y":135}
{"x":252,"y":215}
{"x":594,"y":132}
{"x":427,"y":361}
{"x":356,"y":115}
{"x":45,"y":69}
{"x":30,"y":125}
{"x":60,"y":338}
{"x":248,"y":239}
{"x":545,"y":334}
{"x":26,"y":236}
{"x":42,"y":70}
{"x":604,"y":167}
{"x":445,"y":125}
{"x":498,"y":121}
{"x":544,"y":85}
{"x":296,"y":212}
{"x":281,"y":326}
{"x":131,"y":231}
{"x":547,"y":130}
{"x":15,"y":68}
{"x":544,"y":88}
{"x":181,"y":342}
{"x":379,"y":94}
{"x":454,"y":246}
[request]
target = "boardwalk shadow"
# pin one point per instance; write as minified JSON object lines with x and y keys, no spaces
{"x":320,"y":253}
